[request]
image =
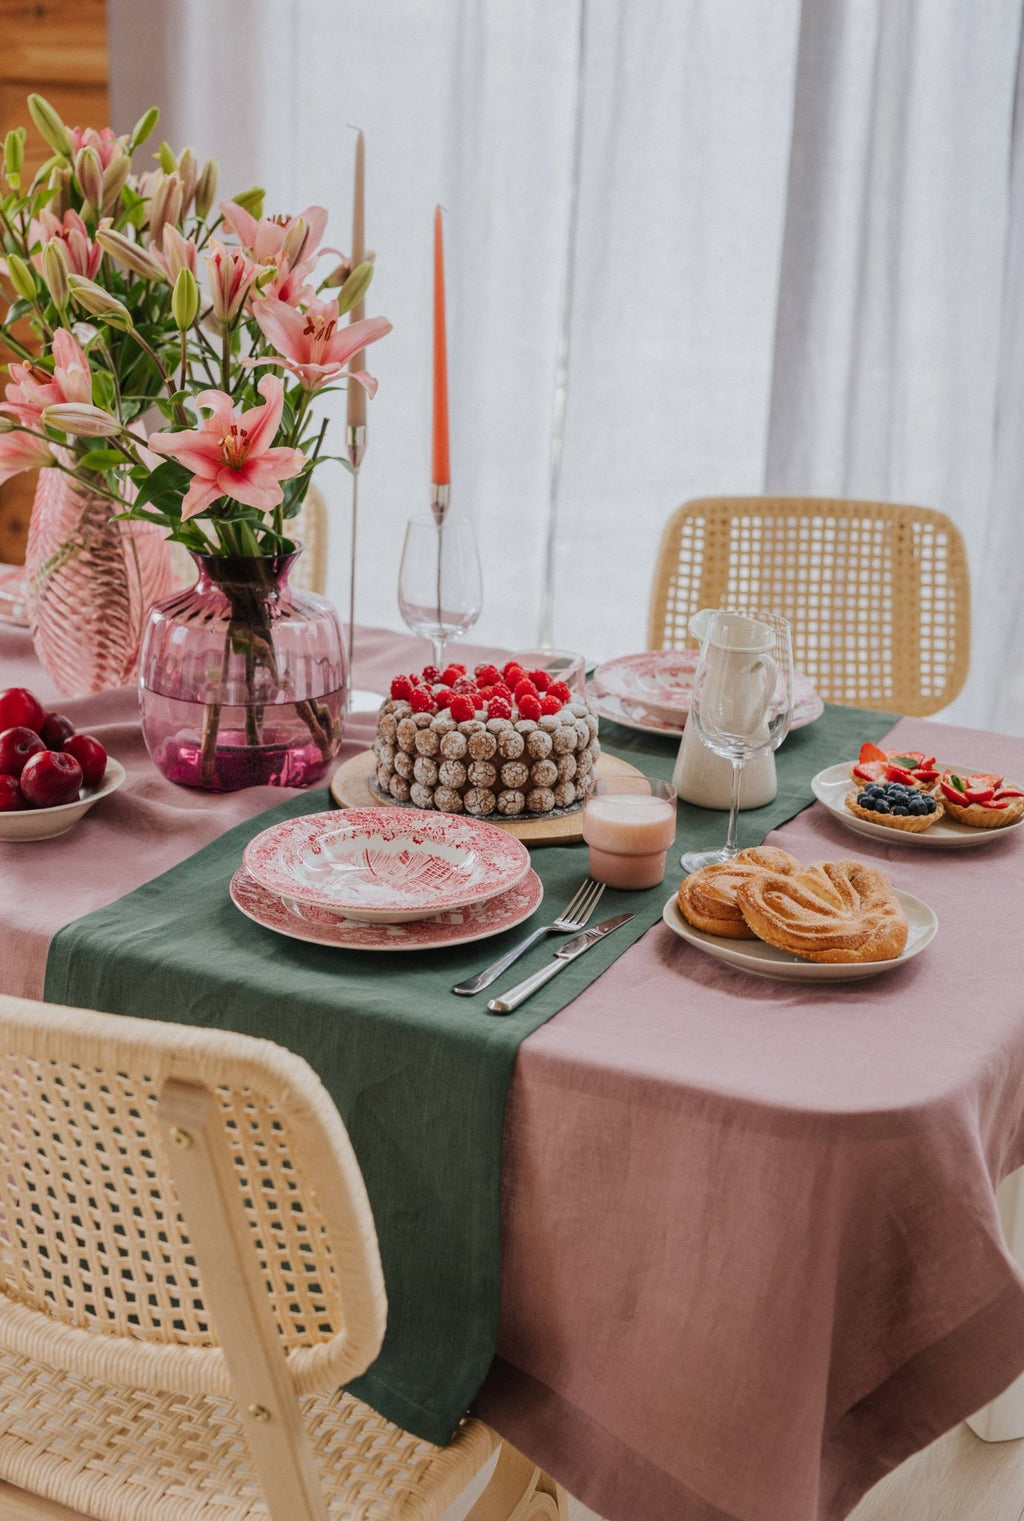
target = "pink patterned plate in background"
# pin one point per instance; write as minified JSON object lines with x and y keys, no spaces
{"x":301,"y":921}
{"x":651,"y":691}
{"x":385,"y":865}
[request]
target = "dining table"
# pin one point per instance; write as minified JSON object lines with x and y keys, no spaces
{"x":752,"y":1237}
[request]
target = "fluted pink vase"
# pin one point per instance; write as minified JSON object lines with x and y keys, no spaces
{"x":91,"y":582}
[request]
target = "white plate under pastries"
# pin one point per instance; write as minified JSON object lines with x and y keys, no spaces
{"x":386,"y":865}
{"x":831,"y":786}
{"x":767,"y":961}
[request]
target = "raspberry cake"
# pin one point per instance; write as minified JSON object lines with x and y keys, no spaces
{"x":507,"y":743}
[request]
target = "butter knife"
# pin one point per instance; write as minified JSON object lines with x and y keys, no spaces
{"x":506,"y":1002}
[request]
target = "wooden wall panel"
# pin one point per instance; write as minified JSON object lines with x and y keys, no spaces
{"x":58,"y":48}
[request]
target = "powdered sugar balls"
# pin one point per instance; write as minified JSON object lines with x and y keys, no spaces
{"x":505,"y":743}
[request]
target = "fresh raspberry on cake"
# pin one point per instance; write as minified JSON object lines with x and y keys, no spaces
{"x":464,"y":684}
{"x":513,"y":672}
{"x":401,"y":688}
{"x":560,"y":690}
{"x":524,"y":688}
{"x":431,"y":675}
{"x":540,"y":679}
{"x":499,"y":707}
{"x":487,"y":675}
{"x":529,"y":707}
{"x":501,"y":690}
{"x":550,"y":705}
{"x":443,"y":697}
{"x":421,"y":700}
{"x":462,"y":708}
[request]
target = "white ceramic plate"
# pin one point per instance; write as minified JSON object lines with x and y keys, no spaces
{"x":633,"y":715}
{"x":765,"y":961}
{"x":301,"y":921}
{"x":386,"y":865}
{"x":47,"y":823}
{"x":831,"y":786}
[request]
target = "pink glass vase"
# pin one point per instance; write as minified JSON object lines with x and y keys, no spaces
{"x":91,"y":581}
{"x":243,"y":679}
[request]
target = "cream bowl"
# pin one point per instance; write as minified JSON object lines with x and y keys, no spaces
{"x":47,"y":823}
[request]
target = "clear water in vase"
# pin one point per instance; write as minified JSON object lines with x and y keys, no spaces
{"x":254,"y":746}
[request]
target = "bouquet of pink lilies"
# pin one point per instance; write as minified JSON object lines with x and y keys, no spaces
{"x":152,"y":302}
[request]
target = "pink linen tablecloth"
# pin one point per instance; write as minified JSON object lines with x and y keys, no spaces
{"x":751,"y":1257}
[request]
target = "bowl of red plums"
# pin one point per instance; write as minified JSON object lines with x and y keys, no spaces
{"x":49,"y":774}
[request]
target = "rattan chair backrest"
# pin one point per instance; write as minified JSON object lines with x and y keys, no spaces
{"x":878,"y":594}
{"x":310,"y":526}
{"x":97,"y":1270}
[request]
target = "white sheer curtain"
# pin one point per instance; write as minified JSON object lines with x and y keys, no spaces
{"x":779,"y":245}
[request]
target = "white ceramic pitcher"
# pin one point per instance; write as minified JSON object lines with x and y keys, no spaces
{"x":702,"y":777}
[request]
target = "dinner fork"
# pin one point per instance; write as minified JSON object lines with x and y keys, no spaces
{"x":570,"y":921}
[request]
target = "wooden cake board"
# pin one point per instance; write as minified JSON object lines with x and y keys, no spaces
{"x":350,"y":788}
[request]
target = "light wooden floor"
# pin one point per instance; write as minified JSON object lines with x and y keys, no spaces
{"x":958,"y":1478}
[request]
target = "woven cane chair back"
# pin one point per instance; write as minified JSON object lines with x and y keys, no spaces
{"x":98,"y":1269}
{"x":878,"y":594}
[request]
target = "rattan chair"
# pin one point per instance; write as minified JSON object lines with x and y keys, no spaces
{"x":189,"y":1273}
{"x":878,"y":594}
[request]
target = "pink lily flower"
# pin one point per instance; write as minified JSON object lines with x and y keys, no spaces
{"x":263,"y":240}
{"x":107,"y":144}
{"x":84,"y":257}
{"x":231,"y":454}
{"x":177,"y":253}
{"x":231,"y":275}
{"x":314,"y":344}
{"x":22,"y":451}
{"x":32,"y":389}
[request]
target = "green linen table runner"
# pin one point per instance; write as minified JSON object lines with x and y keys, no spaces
{"x":420,"y":1076}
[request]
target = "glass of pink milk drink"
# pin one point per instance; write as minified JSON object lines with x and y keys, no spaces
{"x":629,"y":822}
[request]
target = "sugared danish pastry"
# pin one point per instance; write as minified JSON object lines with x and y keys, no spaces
{"x":840,"y":911}
{"x":707,"y":898}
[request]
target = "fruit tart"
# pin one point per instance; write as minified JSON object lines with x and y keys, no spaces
{"x":981,"y":799}
{"x":895,"y":805}
{"x":910,"y":767}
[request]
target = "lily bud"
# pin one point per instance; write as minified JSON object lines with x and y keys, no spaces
{"x":179,"y":253}
{"x":89,"y":173}
{"x":81,"y":420}
{"x":144,"y":126}
{"x":60,"y":180}
{"x":114,"y":177}
{"x":49,"y":125}
{"x":166,"y":158}
{"x":164,"y":207}
{"x":21,"y":277}
{"x":98,"y":302}
{"x":55,"y":272}
{"x":251,"y":201}
{"x":14,"y":156}
{"x":206,"y":189}
{"x":338,"y":275}
{"x":355,"y":287}
{"x":129,"y":254}
{"x":185,"y":300}
{"x":188,"y":173}
{"x":295,"y":240}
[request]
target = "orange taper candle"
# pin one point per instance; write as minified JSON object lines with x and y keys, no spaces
{"x":356,"y":394}
{"x":441,"y":472}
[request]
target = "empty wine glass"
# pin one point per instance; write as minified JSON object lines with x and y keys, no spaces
{"x":440,"y":591}
{"x":742,"y":700}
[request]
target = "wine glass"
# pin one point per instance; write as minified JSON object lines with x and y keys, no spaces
{"x":440,"y":591}
{"x":742,"y":701}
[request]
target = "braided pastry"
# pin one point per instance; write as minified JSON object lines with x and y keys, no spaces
{"x":707,"y":898}
{"x":838,"y":911}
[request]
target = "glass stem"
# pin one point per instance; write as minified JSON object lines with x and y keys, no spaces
{"x":731,"y":844}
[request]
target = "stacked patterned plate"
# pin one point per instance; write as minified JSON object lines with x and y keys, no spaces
{"x":651,"y":691}
{"x":386,"y":879}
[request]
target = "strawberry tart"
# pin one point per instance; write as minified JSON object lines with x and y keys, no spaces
{"x":505,"y":742}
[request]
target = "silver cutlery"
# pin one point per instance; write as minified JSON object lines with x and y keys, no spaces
{"x":518,"y":994}
{"x":570,"y":921}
